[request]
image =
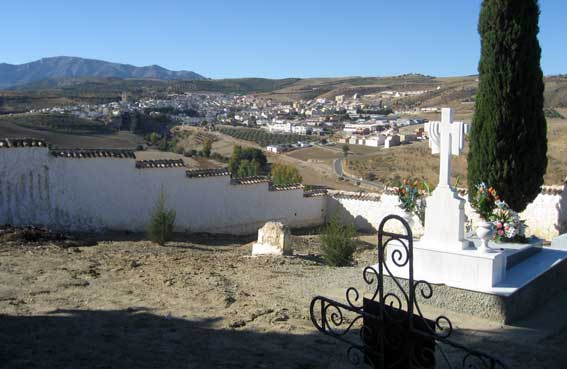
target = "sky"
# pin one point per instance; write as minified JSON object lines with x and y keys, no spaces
{"x":267,"y":38}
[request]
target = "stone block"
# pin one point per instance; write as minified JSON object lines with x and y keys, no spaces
{"x":274,"y":238}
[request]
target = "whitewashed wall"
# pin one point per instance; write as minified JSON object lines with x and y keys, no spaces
{"x":366,"y":212}
{"x":546,"y":216}
{"x":111,"y":194}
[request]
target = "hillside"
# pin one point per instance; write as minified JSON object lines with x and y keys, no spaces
{"x":71,"y":67}
{"x":456,"y":92}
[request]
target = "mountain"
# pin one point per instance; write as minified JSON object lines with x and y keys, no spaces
{"x":71,"y":67}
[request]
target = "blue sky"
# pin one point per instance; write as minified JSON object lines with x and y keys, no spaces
{"x":267,"y":38}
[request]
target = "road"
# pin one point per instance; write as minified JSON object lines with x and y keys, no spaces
{"x":338,"y":168}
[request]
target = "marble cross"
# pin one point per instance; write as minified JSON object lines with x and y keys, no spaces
{"x":446,"y":138}
{"x":445,"y":215}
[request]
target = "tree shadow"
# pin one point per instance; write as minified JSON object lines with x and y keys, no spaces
{"x":136,"y":338}
{"x":561,"y":207}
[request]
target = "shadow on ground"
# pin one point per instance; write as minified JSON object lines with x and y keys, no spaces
{"x":139,"y":339}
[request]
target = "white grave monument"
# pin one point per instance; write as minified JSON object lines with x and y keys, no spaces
{"x":445,"y":214}
{"x":443,"y":255}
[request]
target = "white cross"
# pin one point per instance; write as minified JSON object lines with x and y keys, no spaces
{"x":446,"y":138}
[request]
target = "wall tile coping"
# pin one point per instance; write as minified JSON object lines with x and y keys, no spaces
{"x":93,"y":153}
{"x":164,"y":163}
{"x":6,"y":143}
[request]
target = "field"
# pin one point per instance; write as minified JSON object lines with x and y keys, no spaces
{"x":416,"y":160}
{"x":118,"y":140}
{"x":202,"y":302}
{"x":262,"y":137}
{"x":57,"y":123}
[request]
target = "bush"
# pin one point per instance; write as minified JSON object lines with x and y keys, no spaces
{"x":162,"y":221}
{"x":207,"y":147}
{"x":337,"y":243}
{"x":285,"y":175}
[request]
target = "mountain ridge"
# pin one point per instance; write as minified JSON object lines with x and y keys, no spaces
{"x":13,"y":75}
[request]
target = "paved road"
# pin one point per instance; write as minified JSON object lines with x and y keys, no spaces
{"x":338,"y":168}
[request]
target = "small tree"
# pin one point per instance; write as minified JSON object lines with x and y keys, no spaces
{"x":154,"y":138}
{"x":346,"y":149}
{"x":207,"y":147}
{"x":160,"y":229}
{"x":285,"y":174}
{"x":248,"y":168}
{"x":337,"y":243}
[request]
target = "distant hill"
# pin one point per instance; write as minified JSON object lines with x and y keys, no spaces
{"x":64,"y":67}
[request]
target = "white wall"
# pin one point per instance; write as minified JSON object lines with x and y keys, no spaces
{"x":367,"y":212}
{"x":545,"y":217}
{"x":110,"y":193}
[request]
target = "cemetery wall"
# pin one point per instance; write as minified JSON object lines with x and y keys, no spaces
{"x":107,"y":193}
{"x":367,"y":210}
{"x":546,"y":216}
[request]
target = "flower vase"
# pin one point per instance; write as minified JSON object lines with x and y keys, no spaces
{"x":485,"y":231}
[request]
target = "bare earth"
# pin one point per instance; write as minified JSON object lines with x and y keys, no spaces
{"x":205,"y":303}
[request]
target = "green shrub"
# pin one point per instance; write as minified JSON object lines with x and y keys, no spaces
{"x":207,"y":147}
{"x":285,"y":174}
{"x":160,"y":229}
{"x":337,"y":242}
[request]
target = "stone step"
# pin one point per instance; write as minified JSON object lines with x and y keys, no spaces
{"x":521,"y":255}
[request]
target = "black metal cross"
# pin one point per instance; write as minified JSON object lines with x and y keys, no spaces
{"x":392,"y":331}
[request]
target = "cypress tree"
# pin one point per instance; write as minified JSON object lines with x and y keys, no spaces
{"x":508,"y":139}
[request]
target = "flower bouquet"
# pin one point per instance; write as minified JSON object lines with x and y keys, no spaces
{"x":509,"y":226}
{"x":411,"y":194}
{"x":483,"y":200}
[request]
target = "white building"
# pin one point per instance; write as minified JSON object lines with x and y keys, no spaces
{"x":391,"y":141}
{"x":301,"y":130}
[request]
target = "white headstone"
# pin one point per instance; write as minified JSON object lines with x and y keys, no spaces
{"x":445,"y":214}
{"x":274,"y":238}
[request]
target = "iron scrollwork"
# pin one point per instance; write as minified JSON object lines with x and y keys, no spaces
{"x":388,"y":330}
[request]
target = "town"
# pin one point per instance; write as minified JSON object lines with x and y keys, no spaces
{"x":365,"y":120}
{"x":294,"y":185}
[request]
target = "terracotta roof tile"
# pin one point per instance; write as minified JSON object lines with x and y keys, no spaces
{"x":290,"y":187}
{"x":249,"y":180}
{"x":365,"y":196}
{"x":166,"y":163}
{"x":200,"y":173}
{"x":315,"y":193}
{"x":552,"y":190}
{"x":21,"y":142}
{"x":93,"y":153}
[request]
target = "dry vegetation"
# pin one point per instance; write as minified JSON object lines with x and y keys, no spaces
{"x":416,"y":160}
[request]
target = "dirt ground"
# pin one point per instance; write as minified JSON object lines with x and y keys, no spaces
{"x":203,"y":302}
